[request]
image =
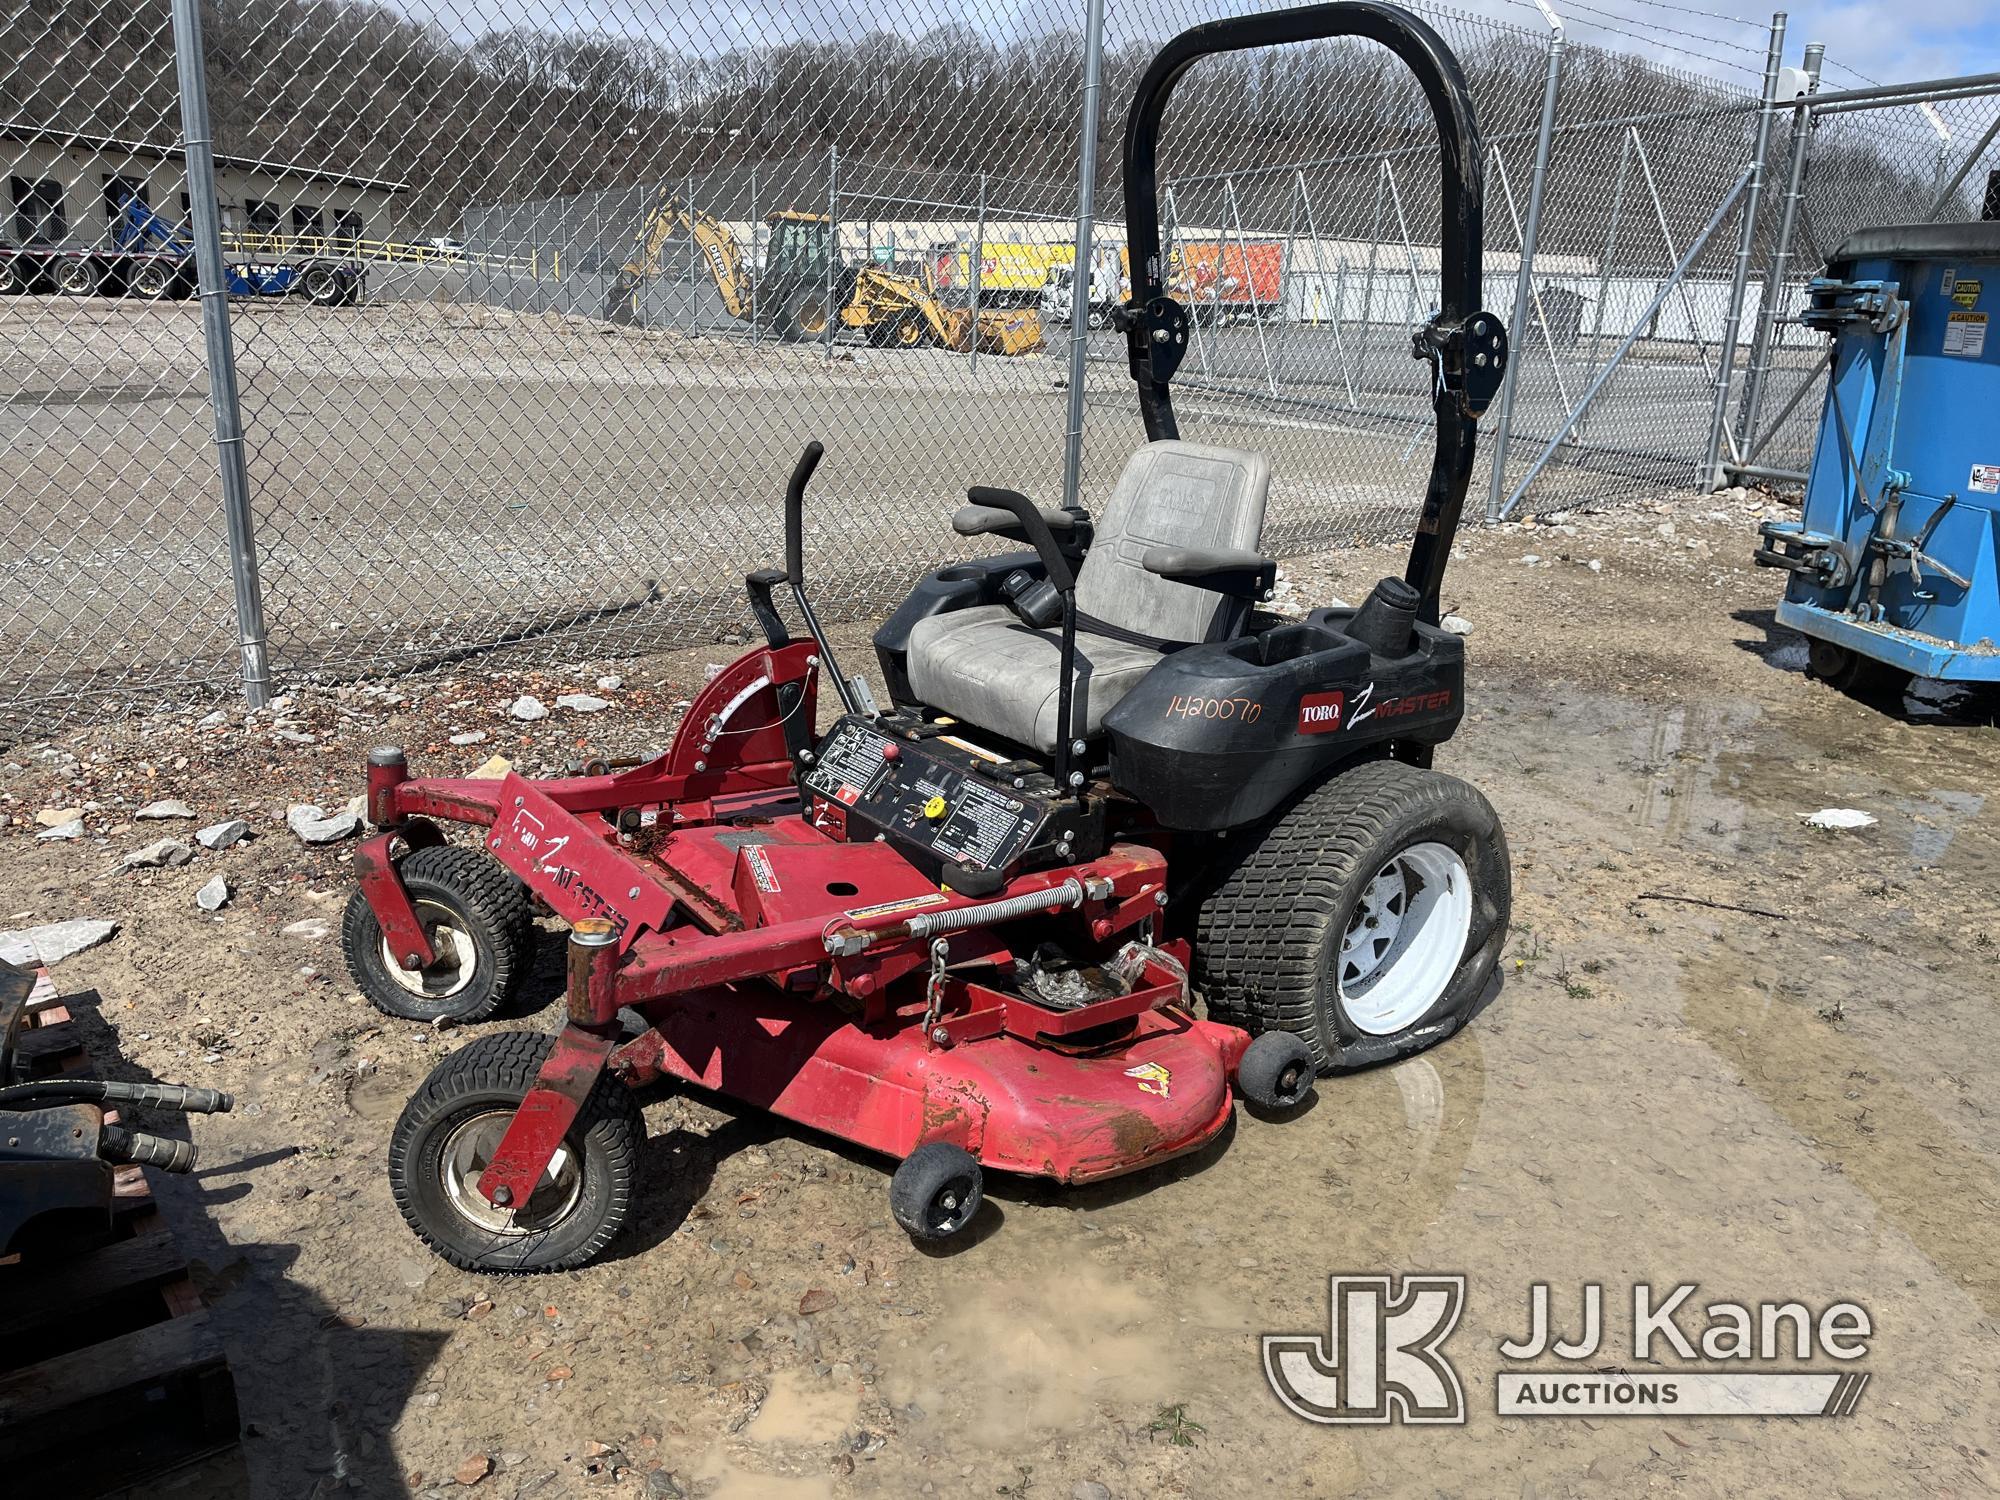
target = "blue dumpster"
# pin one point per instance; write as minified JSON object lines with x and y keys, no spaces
{"x":1895,"y":559}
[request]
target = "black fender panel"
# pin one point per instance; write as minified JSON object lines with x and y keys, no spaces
{"x":1220,"y":735}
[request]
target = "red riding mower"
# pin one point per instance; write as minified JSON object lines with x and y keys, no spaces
{"x":963,"y":931}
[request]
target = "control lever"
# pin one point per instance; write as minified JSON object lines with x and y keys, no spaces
{"x":1063,"y":580}
{"x":795,"y":573}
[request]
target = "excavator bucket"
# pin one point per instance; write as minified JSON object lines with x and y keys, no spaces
{"x":1010,"y":332}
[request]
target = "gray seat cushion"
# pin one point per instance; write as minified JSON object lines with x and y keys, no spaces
{"x":984,"y":666}
{"x":1172,"y":494}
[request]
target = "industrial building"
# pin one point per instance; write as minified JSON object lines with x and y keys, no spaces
{"x":64,"y":188}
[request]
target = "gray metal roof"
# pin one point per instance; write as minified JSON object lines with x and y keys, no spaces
{"x":20,"y":130}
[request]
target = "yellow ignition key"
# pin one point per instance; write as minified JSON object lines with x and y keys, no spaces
{"x":934,"y":809}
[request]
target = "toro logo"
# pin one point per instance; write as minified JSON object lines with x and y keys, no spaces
{"x":1319,"y":713}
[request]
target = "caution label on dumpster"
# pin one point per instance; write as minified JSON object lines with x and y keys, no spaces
{"x":1985,"y":479}
{"x":1965,"y":334}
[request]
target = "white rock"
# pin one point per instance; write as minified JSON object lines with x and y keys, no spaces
{"x":1666,"y":528}
{"x":1840,"y":817}
{"x":1596,"y":565}
{"x":73,"y":829}
{"x":293,"y":737}
{"x":167,"y":852}
{"x":53,"y":942}
{"x":222,"y":835}
{"x":171,"y":808}
{"x":314,"y":825}
{"x":610,"y":684}
{"x":311,"y":930}
{"x":212,"y":721}
{"x":55,"y":817}
{"x":1531,"y":558}
{"x":528,"y":708}
{"x":1456,"y":624}
{"x":213,"y":896}
{"x":583,"y":703}
{"x":470,"y":737}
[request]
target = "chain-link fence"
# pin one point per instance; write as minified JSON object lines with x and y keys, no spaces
{"x":530,"y":311}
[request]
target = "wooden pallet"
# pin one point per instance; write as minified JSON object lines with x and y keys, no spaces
{"x":110,"y":1371}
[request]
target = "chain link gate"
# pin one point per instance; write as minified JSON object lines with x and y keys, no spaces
{"x":506,"y":307}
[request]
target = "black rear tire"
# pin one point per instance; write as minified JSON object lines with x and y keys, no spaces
{"x":445,"y":1137}
{"x":1338,"y":920}
{"x":79,"y":276}
{"x":154,"y":281}
{"x":470,"y":905}
{"x":324,"y":286}
{"x":936,"y":1191}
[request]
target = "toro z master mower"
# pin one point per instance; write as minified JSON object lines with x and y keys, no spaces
{"x":968,"y":932}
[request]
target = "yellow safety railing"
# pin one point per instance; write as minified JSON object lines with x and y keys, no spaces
{"x":273,"y":245}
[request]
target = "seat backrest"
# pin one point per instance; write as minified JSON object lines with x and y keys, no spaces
{"x":1172,"y":494}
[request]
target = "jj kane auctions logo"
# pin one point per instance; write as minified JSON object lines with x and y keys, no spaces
{"x":1382,"y":1357}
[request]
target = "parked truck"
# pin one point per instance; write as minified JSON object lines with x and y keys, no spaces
{"x":1109,"y":286}
{"x":1223,"y":281}
{"x":153,"y":258}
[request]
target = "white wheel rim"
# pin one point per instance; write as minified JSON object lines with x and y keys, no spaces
{"x":151,"y":281}
{"x":1405,"y":939}
{"x":469,"y":1150}
{"x":457,"y":959}
{"x":76,"y":277}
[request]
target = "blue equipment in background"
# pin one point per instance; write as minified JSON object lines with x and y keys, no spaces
{"x":1895,"y":559}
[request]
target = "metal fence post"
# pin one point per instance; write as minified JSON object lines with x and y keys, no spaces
{"x":756,"y":267}
{"x":1771,"y":314}
{"x":694,"y":257}
{"x":1524,"y":279}
{"x":1086,"y":214}
{"x":1710,"y":477}
{"x":220,"y":352}
{"x":975,"y":268}
{"x":832,"y":239}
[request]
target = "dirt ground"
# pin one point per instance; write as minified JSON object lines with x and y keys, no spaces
{"x":1728,"y":1049}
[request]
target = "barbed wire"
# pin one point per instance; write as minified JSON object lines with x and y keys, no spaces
{"x":1645,"y":37}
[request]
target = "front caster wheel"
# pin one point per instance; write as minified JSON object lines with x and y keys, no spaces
{"x":1277,"y":1071}
{"x":936,"y":1191}
{"x":447,"y":1135}
{"x":480,"y":927}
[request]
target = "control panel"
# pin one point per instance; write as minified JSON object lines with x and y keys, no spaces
{"x":926,"y":796}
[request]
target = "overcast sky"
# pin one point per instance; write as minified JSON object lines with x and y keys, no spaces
{"x":1892,"y":42}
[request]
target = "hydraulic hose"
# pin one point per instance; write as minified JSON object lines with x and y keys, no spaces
{"x":144,"y":1150}
{"x":171,"y":1096}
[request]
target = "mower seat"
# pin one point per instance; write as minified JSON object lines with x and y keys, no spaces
{"x":985,"y":666}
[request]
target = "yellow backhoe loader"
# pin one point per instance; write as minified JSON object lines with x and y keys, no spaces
{"x":801,"y":280}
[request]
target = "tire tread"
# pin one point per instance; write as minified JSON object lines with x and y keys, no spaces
{"x":507,"y":1062}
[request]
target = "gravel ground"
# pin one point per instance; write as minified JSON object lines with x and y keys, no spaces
{"x":1728,"y":1048}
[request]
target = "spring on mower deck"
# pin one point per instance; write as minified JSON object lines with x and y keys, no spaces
{"x":926,"y":924}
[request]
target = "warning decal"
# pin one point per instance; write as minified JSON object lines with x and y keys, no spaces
{"x":1985,"y":479}
{"x":1965,"y":293}
{"x":1965,"y":334}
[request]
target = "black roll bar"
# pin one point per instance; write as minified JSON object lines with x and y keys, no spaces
{"x":1466,"y":347}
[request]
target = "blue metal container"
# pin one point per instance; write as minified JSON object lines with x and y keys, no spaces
{"x":1895,"y":560}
